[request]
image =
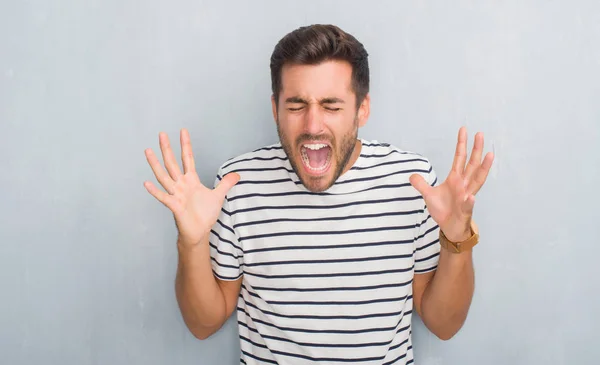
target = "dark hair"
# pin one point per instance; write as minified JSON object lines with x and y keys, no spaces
{"x":311,"y":45}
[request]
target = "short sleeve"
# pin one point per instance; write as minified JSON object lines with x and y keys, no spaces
{"x":427,"y":242}
{"x":226,"y":253}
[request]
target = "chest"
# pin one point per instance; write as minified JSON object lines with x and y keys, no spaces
{"x":319,"y":243}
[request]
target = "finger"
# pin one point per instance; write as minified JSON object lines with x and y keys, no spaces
{"x":160,"y":195}
{"x":475,"y":160}
{"x":169,"y":157}
{"x":187,"y":156}
{"x":481,"y":174}
{"x":159,"y":172}
{"x":460,"y":156}
{"x":227,"y":183}
{"x":419,"y":183}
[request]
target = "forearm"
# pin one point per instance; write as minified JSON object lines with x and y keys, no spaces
{"x":200,"y":298}
{"x":448,"y":296}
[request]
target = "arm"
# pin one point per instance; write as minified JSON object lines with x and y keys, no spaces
{"x":442,"y":297}
{"x":205,"y":301}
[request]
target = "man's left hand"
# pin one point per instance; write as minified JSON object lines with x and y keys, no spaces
{"x":451,"y":202}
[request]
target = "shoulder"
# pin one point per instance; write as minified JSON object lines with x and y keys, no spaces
{"x":376,"y":153}
{"x":386,"y":152}
{"x":269,"y":155}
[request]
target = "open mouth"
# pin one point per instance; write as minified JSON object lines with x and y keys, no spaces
{"x":316,"y":157}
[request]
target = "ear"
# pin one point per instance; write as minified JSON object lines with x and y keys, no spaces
{"x":274,"y":107}
{"x":364,"y":110}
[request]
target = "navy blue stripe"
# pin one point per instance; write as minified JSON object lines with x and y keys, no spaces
{"x":226,"y":278}
{"x":225,"y":240}
{"x":307,"y":316}
{"x":222,"y":252}
{"x":329,"y":261}
{"x":309,"y":193}
{"x":261,"y":169}
{"x":372,"y":201}
{"x":427,"y":258}
{"x":272,"y":195}
{"x":337,"y":288}
{"x":379,"y":144}
{"x":259,"y":358}
{"x":401,"y":343}
{"x":429,"y":244}
{"x":332,"y":247}
{"x":388,"y":163}
{"x":388,"y":154}
{"x":225,"y":226}
{"x":225,"y":265}
{"x":269,"y":148}
{"x":308,"y":330}
{"x":275,"y":181}
{"x":289,"y":354}
{"x":370,"y":178}
{"x":330,"y":275}
{"x":307,"y":344}
{"x":355,"y":302}
{"x":423,"y":221}
{"x":327,"y":233}
{"x":400,"y":357}
{"x":417,"y":271}
{"x":326,"y":219}
{"x":255,"y":159}
{"x":427,"y":232}
{"x":332,"y":345}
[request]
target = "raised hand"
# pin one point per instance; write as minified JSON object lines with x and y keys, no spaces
{"x":451,"y":203}
{"x":196,"y":208}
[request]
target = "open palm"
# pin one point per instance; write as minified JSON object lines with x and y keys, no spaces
{"x":195,"y":207}
{"x":451,"y":202}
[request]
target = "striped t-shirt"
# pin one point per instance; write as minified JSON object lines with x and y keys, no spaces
{"x":326,"y":276}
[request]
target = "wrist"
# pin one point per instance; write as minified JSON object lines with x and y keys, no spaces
{"x":460,"y":241}
{"x":189,"y":250}
{"x":459,"y":236}
{"x":184,"y":243}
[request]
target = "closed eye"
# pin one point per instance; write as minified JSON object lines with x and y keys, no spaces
{"x":333,"y":109}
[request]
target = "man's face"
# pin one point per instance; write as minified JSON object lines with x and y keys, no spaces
{"x":317,"y":121}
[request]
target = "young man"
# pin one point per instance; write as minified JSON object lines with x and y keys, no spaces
{"x":325,"y":243}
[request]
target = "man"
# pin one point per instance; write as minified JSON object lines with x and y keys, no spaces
{"x":325,"y":243}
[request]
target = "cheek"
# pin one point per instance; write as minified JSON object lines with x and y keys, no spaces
{"x":342,"y":126}
{"x":287,"y":132}
{"x":292,"y":126}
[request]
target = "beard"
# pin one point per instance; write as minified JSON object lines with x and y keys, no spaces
{"x":341,"y":153}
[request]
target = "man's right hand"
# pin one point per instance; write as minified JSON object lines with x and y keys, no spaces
{"x":195,"y":207}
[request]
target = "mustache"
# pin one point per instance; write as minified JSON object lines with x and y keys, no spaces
{"x":306,"y":137}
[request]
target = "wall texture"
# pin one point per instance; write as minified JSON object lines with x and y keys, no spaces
{"x":87,"y":256}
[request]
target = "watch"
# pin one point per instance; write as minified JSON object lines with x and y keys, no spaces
{"x":458,"y":247}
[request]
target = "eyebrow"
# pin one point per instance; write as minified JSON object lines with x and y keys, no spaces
{"x":299,"y":100}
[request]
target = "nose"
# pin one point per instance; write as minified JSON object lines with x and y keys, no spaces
{"x":314,"y":120}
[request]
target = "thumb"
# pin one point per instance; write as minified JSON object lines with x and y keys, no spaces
{"x":419,"y":183}
{"x":227,"y":183}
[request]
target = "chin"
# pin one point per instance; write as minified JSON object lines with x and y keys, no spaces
{"x":317,"y":185}
{"x":316,"y":182}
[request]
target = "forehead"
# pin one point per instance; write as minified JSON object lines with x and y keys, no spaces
{"x":326,"y":79}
